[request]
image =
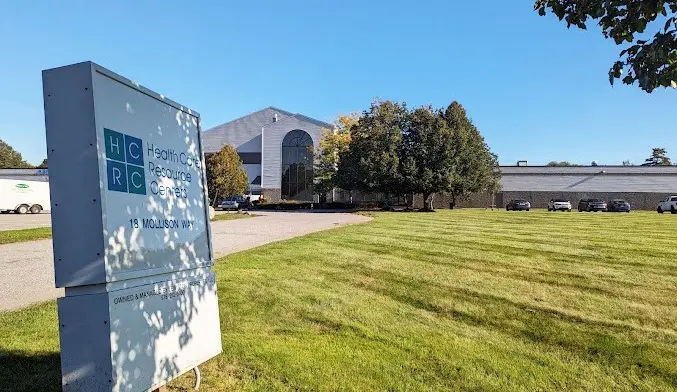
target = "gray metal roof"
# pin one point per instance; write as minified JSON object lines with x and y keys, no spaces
{"x":589,"y":170}
{"x":243,"y":129}
{"x":590,"y":179}
{"x":25,"y":174}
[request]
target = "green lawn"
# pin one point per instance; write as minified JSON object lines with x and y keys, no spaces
{"x":232,"y":216}
{"x":465,"y":300}
{"x":10,"y":236}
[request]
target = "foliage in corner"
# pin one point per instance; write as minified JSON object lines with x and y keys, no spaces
{"x":650,"y":61}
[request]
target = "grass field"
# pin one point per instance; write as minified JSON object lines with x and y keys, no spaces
{"x":10,"y":236}
{"x":220,"y":217}
{"x":462,"y":300}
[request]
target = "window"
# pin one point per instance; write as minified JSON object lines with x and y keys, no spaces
{"x":297,"y":166}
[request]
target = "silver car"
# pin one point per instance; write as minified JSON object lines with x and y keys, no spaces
{"x":231,"y":203}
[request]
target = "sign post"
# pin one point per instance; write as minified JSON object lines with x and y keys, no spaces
{"x":131,"y":235}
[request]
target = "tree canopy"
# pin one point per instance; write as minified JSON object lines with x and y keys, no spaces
{"x":426,"y":154}
{"x":561,"y":163}
{"x":476,"y":167}
{"x":651,"y":61}
{"x":332,"y":145}
{"x":225,"y":174}
{"x":10,"y":158}
{"x":371,"y":162}
{"x":397,"y":151}
{"x":658,"y":157}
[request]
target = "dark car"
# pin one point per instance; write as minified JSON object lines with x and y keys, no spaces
{"x":518,"y":205}
{"x":592,"y":205}
{"x":618,"y":205}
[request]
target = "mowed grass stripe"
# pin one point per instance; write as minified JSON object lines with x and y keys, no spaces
{"x":455,"y":300}
{"x":513,"y":278}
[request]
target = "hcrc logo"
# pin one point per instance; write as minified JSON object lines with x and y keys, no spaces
{"x":124,"y":163}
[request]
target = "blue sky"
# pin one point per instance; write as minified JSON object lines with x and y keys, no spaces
{"x":535,"y":90}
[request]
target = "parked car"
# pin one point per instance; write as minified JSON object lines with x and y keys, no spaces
{"x":618,"y":205}
{"x":559,"y":205}
{"x":668,"y":204}
{"x":232,"y":203}
{"x":518,"y":205}
{"x":591,"y":205}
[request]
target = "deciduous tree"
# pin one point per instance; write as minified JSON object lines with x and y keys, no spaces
{"x":650,"y":61}
{"x":10,"y":158}
{"x":561,"y":163}
{"x":371,"y":163}
{"x":333,"y":144}
{"x":427,"y":155}
{"x":476,"y":167}
{"x":225,"y":174}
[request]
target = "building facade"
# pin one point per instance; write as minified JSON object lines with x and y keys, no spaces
{"x":276,"y":150}
{"x":641,"y":186}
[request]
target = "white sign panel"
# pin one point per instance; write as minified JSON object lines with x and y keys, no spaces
{"x":131,"y":234}
{"x":153,"y":203}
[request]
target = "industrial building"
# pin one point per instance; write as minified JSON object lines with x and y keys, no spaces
{"x":642,"y":186}
{"x":275,"y":148}
{"x":24,"y":174}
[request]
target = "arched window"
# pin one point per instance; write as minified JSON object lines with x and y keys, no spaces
{"x":297,"y":166}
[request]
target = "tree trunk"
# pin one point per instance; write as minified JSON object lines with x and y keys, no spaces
{"x":216,"y":197}
{"x":427,"y":201}
{"x":453,"y":200}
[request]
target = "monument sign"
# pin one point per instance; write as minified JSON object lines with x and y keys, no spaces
{"x":131,"y":234}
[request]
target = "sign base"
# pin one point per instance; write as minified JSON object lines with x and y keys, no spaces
{"x":140,"y":336}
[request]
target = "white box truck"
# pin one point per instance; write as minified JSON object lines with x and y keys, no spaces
{"x":23,"y":196}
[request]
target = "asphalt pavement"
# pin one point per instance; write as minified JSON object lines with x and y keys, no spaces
{"x":27,"y":271}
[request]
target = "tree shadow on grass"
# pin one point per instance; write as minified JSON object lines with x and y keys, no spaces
{"x":29,"y":372}
{"x":608,"y":343}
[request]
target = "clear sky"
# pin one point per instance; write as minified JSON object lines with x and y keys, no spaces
{"x":535,"y":90}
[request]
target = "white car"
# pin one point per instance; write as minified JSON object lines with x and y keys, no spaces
{"x":559,"y":205}
{"x":668,"y":204}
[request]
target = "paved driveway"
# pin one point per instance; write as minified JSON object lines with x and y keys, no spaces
{"x":27,"y":272}
{"x":27,"y":221}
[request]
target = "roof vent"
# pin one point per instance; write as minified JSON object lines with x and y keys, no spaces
{"x":275,"y":117}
